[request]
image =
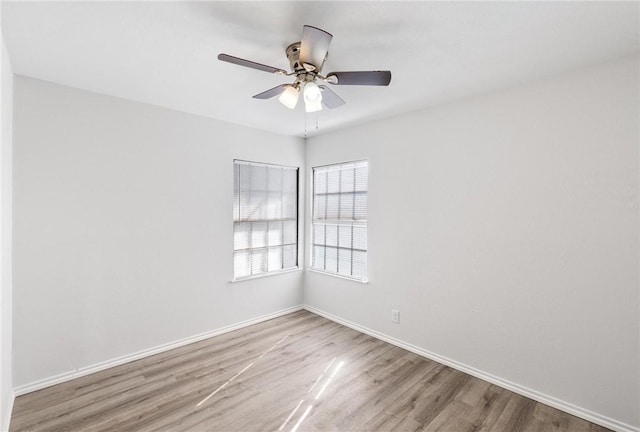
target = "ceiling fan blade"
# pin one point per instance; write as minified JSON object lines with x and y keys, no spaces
{"x":271,"y":92}
{"x":375,"y":78}
{"x":249,"y":64}
{"x":330,"y":99}
{"x":314,"y":46}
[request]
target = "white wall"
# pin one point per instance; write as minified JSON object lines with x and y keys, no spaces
{"x":6,"y":112}
{"x":505,"y":230}
{"x":123,"y":228}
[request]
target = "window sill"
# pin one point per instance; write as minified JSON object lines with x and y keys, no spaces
{"x":264,"y":275}
{"x":336,"y":275}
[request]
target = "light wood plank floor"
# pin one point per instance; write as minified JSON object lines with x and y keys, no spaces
{"x":298,"y":372}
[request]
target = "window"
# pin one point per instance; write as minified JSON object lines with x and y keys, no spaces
{"x":265,"y":219}
{"x":340,"y":219}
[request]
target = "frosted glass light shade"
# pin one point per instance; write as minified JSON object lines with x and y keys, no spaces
{"x":312,"y":106}
{"x":312,"y":97}
{"x":289,"y":97}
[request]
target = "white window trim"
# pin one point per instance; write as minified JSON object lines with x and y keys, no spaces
{"x":264,"y":275}
{"x":311,"y":187}
{"x":338,"y":275}
{"x":298,"y":267}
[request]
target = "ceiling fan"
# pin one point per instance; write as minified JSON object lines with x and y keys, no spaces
{"x":306,"y":59}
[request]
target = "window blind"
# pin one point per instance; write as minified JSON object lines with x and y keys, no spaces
{"x":340,"y":219}
{"x":265,"y":218}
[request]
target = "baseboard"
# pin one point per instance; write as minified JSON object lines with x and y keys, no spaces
{"x":6,"y":422}
{"x":514,"y":387}
{"x":86,"y":370}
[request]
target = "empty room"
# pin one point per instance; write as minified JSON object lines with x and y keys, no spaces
{"x":320,"y":216}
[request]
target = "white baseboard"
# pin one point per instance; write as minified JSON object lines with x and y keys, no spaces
{"x":4,"y":427}
{"x":86,"y":370}
{"x":501,"y":382}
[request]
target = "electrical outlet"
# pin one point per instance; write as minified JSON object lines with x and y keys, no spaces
{"x":395,"y":316}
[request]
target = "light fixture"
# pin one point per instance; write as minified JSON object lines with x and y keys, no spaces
{"x":312,"y":97}
{"x":289,"y":96}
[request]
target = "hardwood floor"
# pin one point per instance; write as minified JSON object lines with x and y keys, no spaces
{"x":298,"y":372}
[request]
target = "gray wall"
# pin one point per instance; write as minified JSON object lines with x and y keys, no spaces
{"x":123,"y":228}
{"x":504,"y":228}
{"x":6,"y":109}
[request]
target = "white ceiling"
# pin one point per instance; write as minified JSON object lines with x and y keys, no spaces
{"x":164,"y":53}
